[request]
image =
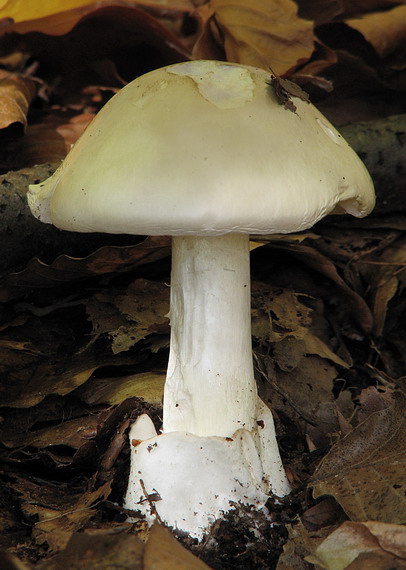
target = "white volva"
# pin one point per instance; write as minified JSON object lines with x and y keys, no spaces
{"x":203,"y":151}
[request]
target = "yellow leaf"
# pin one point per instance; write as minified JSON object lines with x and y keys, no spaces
{"x":23,"y":11}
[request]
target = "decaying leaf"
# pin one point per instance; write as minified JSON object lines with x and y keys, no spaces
{"x":60,"y":16}
{"x":72,"y":433}
{"x":148,"y":386}
{"x":285,"y":90}
{"x":129,"y":318}
{"x":321,"y":263}
{"x":16,"y":93}
{"x":279,"y":315}
{"x":115,"y":547}
{"x":57,"y":514}
{"x":300,"y":543}
{"x":384,"y":30}
{"x":260,"y":33}
{"x":386,"y":272}
{"x":163,"y":552}
{"x":363,"y":545}
{"x":51,"y":140}
{"x":107,"y":259}
{"x":365,"y":470}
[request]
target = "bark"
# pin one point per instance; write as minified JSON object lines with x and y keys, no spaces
{"x":381,"y":145}
{"x":22,"y":236}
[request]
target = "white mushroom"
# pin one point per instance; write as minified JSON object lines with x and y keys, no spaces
{"x":204,"y":152}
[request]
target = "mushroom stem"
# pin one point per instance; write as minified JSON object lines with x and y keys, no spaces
{"x":210,"y":387}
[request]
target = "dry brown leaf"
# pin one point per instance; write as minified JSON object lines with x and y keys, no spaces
{"x":324,"y":513}
{"x":365,"y":471}
{"x":163,"y":552}
{"x":129,"y":318}
{"x":316,"y":260}
{"x":16,"y":93}
{"x":279,"y":317}
{"x":72,"y":433}
{"x":115,"y":547}
{"x":58,"y":513}
{"x":371,"y":400}
{"x":384,"y":271}
{"x":362,"y":545}
{"x":385,"y":30}
{"x":46,"y":380}
{"x":51,"y":139}
{"x":107,"y":259}
{"x":262,"y":33}
{"x":299,"y":544}
{"x":109,"y":549}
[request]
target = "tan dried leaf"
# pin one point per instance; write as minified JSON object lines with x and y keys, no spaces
{"x":362,"y":545}
{"x":279,"y":317}
{"x":146,"y":385}
{"x":131,"y":317}
{"x":384,"y":30}
{"x":164,"y":552}
{"x":385,"y":271}
{"x":16,"y":93}
{"x":261,"y":33}
{"x":47,"y":380}
{"x":58,"y":514}
{"x":365,"y":470}
{"x":51,"y":139}
{"x":72,"y":433}
{"x":107,"y":259}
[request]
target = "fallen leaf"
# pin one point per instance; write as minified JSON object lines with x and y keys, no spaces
{"x":52,"y":138}
{"x":145,"y":385}
{"x":385,"y":30}
{"x":300,"y":543}
{"x":45,"y":379}
{"x":129,"y":318}
{"x":285,"y":90}
{"x":107,"y":259}
{"x":261,"y":34}
{"x":114,"y":548}
{"x":10,"y":562}
{"x":58,"y":514}
{"x":365,"y":470}
{"x":321,"y":263}
{"x":324,"y":513}
{"x":72,"y":433}
{"x":16,"y":93}
{"x":280,"y":317}
{"x":385,"y":271}
{"x":60,"y":16}
{"x":164,"y":552}
{"x":362,"y":545}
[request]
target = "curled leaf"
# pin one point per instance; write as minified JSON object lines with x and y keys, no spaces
{"x":16,"y":93}
{"x":259,"y":33}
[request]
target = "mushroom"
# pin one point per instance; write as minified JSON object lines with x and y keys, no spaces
{"x":205,"y":152}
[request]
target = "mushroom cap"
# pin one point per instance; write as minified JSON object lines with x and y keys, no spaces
{"x":204,"y":148}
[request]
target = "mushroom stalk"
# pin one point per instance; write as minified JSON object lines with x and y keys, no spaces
{"x":210,"y":387}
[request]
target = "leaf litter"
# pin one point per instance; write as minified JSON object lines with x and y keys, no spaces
{"x":84,"y":338}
